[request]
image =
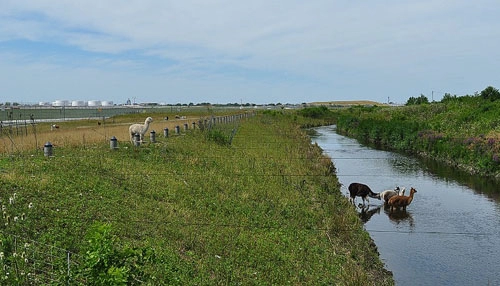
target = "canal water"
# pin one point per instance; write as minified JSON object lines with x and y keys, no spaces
{"x":449,"y":234}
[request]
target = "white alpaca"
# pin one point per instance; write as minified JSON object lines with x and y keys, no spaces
{"x":387,"y":194}
{"x":139,"y":129}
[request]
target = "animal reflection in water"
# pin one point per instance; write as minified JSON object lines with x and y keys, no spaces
{"x":366,"y":213}
{"x":396,"y":216}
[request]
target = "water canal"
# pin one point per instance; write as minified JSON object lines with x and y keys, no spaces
{"x":449,"y":235}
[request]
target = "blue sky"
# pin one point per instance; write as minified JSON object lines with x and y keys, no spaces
{"x":221,"y":51}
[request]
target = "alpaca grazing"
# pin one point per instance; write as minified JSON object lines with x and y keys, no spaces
{"x":387,"y":194}
{"x":139,"y":129}
{"x":401,"y":201}
{"x":361,"y":190}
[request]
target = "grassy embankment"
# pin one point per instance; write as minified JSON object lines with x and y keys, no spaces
{"x":463,"y":132}
{"x":189,"y":209}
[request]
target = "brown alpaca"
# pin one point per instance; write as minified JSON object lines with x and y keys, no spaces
{"x":402,"y":201}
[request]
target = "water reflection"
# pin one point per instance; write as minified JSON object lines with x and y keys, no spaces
{"x":365,"y":213}
{"x":477,"y":183}
{"x":396,"y":216}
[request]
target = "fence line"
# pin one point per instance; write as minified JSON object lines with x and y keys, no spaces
{"x":31,"y":262}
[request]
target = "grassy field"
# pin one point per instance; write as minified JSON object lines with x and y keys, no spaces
{"x":262,"y":207}
{"x":32,"y":137}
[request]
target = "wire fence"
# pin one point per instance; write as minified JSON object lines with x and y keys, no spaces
{"x":28,"y":262}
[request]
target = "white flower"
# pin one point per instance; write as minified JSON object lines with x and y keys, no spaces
{"x":1,"y":255}
{"x":30,"y":206}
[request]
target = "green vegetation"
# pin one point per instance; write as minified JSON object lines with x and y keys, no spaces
{"x":251,"y":202}
{"x":461,"y":131}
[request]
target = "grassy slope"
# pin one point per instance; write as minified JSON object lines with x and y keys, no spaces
{"x":212,"y":213}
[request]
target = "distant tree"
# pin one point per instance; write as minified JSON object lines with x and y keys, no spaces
{"x":490,"y":93}
{"x":448,"y":97}
{"x":417,"y":100}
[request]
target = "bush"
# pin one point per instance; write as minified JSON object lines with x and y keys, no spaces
{"x":106,"y":264}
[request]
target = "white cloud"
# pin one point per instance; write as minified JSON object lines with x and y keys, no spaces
{"x":326,"y":47}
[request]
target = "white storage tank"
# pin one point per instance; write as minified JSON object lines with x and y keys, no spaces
{"x":59,"y":103}
{"x":107,"y":103}
{"x":78,"y":103}
{"x":94,"y":103}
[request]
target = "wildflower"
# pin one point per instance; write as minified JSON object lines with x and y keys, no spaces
{"x":30,"y":206}
{"x":16,"y":218}
{"x":11,"y":200}
{"x":26,"y":245}
{"x":1,"y":255}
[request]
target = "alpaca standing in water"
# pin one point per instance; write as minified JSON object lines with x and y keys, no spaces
{"x":402,"y":201}
{"x":387,"y":194}
{"x":361,"y":190}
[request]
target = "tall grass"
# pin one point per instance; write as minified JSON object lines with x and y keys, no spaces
{"x":263,"y":208}
{"x":464,"y":133}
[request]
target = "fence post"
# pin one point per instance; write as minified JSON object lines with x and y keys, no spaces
{"x":152,"y":136}
{"x":47,"y":149}
{"x":113,"y":143}
{"x":137,"y":139}
{"x":69,"y":272}
{"x":165,"y":132}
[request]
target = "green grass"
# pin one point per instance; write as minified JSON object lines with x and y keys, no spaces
{"x":463,"y":132}
{"x":265,"y":209}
